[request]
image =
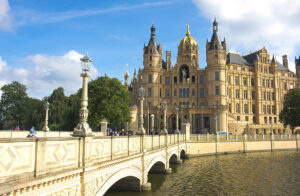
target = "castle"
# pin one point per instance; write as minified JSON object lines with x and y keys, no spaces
{"x":234,"y":93}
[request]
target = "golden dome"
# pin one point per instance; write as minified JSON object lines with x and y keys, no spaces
{"x":188,"y":41}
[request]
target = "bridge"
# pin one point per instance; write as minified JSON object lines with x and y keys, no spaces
{"x":95,"y":165}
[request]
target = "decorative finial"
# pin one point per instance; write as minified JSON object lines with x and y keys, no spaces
{"x":187,"y":29}
{"x":126,"y":67}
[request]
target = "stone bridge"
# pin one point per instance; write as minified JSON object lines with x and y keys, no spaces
{"x":95,"y":165}
{"x":85,"y":166}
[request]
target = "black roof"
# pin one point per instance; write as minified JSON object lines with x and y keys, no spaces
{"x":215,"y":40}
{"x":233,"y":58}
{"x":153,"y":41}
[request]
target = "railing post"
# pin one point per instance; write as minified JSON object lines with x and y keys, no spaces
{"x":158,"y":140}
{"x":152,"y":142}
{"x":297,"y":144}
{"x":128,"y":146}
{"x":111,"y":147}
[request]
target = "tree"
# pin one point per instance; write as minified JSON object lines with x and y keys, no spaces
{"x":13,"y":103}
{"x":34,"y":113}
{"x":58,"y":104}
{"x":108,"y":99}
{"x":290,"y":115}
{"x":70,"y":115}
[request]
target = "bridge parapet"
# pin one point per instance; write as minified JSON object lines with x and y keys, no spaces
{"x":27,"y":162}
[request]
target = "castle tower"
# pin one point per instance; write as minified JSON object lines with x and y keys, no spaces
{"x":126,"y":78}
{"x":216,"y":79}
{"x":297,"y":63}
{"x":152,"y":52}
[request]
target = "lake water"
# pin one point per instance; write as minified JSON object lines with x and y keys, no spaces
{"x":263,"y":173}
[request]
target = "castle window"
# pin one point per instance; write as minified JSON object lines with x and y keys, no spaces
{"x":175,"y":93}
{"x":180,"y":92}
{"x":193,"y":92}
{"x":272,"y":83}
{"x":264,"y":95}
{"x":273,"y":109}
{"x":245,"y":81}
{"x":285,"y":86}
{"x":217,"y":90}
{"x":217,"y":103}
{"x":236,"y":80}
{"x":167,"y":80}
{"x":175,"y":79}
{"x":268,"y":95}
{"x":253,"y":109}
{"x":267,"y":83}
{"x":201,"y":79}
{"x":229,"y":107}
{"x":202,"y":104}
{"x":246,"y":118}
{"x":237,"y":108}
{"x":149,"y":78}
{"x":246,"y":108}
{"x":266,"y":119}
{"x":201,"y":92}
{"x":238,"y":118}
{"x":263,"y":82}
{"x":237,"y":93}
{"x":188,"y":92}
{"x":150,"y":58}
{"x":150,"y":51}
{"x":216,"y":47}
{"x":245,"y":94}
{"x":243,"y":69}
{"x":234,"y":68}
{"x":252,"y":81}
{"x":167,"y":93}
{"x":160,"y":79}
{"x":217,"y":76}
{"x":254,"y":119}
{"x":193,"y":79}
{"x":275,"y":120}
{"x":183,"y":92}
{"x":194,"y":60}
{"x":150,"y":65}
{"x":184,"y":73}
{"x":216,"y":54}
{"x":273,"y":96}
{"x":265,"y":111}
{"x":159,"y":92}
{"x":149,"y":92}
{"x":253,"y":94}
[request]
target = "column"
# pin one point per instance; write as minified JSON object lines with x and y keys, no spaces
{"x":177,"y":120}
{"x":202,"y":123}
{"x":141,"y":129}
{"x":152,"y":123}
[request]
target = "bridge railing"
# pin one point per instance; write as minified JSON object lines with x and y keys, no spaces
{"x":22,"y":158}
{"x":239,"y":138}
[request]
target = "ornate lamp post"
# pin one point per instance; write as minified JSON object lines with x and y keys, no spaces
{"x":216,"y":118}
{"x":46,"y":128}
{"x":83,"y":129}
{"x":164,"y":129}
{"x":141,"y":130}
{"x":177,"y":120}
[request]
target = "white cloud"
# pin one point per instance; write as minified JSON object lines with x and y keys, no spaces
{"x":251,"y":24}
{"x":46,"y":73}
{"x":5,"y":16}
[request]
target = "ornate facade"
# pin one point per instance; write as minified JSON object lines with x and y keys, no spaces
{"x":233,"y":93}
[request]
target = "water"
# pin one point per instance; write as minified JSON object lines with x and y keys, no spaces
{"x":263,"y":173}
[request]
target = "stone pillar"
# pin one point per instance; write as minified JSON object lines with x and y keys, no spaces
{"x":46,"y":128}
{"x":83,"y":129}
{"x":187,"y":130}
{"x":141,"y":129}
{"x":177,"y":120}
{"x":103,"y":125}
{"x":152,"y":123}
{"x":193,"y":123}
{"x":164,"y":129}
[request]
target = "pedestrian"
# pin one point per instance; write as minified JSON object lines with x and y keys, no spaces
{"x":32,"y":132}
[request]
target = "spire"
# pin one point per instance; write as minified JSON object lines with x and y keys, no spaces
{"x":273,"y":59}
{"x":152,"y":41}
{"x":215,"y":25}
{"x":134,"y":75}
{"x":215,"y":43}
{"x":188,"y":30}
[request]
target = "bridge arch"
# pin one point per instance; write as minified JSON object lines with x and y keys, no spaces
{"x":173,"y":156}
{"x":182,"y":153}
{"x":157,"y":160}
{"x":133,"y":173}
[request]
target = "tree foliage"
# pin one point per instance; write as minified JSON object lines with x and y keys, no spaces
{"x":108,"y":99}
{"x":290,"y":115}
{"x":13,"y":103}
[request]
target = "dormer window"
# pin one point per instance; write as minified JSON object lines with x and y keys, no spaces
{"x":150,"y":51}
{"x":150,"y":58}
{"x":216,"y":47}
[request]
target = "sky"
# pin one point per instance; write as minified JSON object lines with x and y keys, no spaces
{"x":41,"y":42}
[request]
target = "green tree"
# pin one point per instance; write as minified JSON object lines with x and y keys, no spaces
{"x":58,"y":104}
{"x":290,"y":114}
{"x":108,"y":99}
{"x":70,"y":115}
{"x":13,"y":103}
{"x":34,"y":113}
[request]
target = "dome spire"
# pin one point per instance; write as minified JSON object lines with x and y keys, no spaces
{"x":188,"y":30}
{"x":215,"y":25}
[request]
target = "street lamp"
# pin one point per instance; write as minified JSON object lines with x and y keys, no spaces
{"x":177,"y":120}
{"x":164,"y":129}
{"x":83,"y":129}
{"x":141,"y":130}
{"x":216,"y":118}
{"x":46,"y":128}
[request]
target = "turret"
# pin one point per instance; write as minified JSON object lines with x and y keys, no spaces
{"x":153,"y":51}
{"x":285,"y":61}
{"x":297,"y":63}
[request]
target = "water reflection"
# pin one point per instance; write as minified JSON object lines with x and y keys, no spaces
{"x":265,"y":173}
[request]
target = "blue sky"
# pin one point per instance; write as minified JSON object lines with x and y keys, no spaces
{"x":42,"y":41}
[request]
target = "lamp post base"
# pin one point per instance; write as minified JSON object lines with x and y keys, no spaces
{"x":164,"y":132}
{"x":46,"y":129}
{"x":82,"y":130}
{"x":177,"y":131}
{"x":141,"y":131}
